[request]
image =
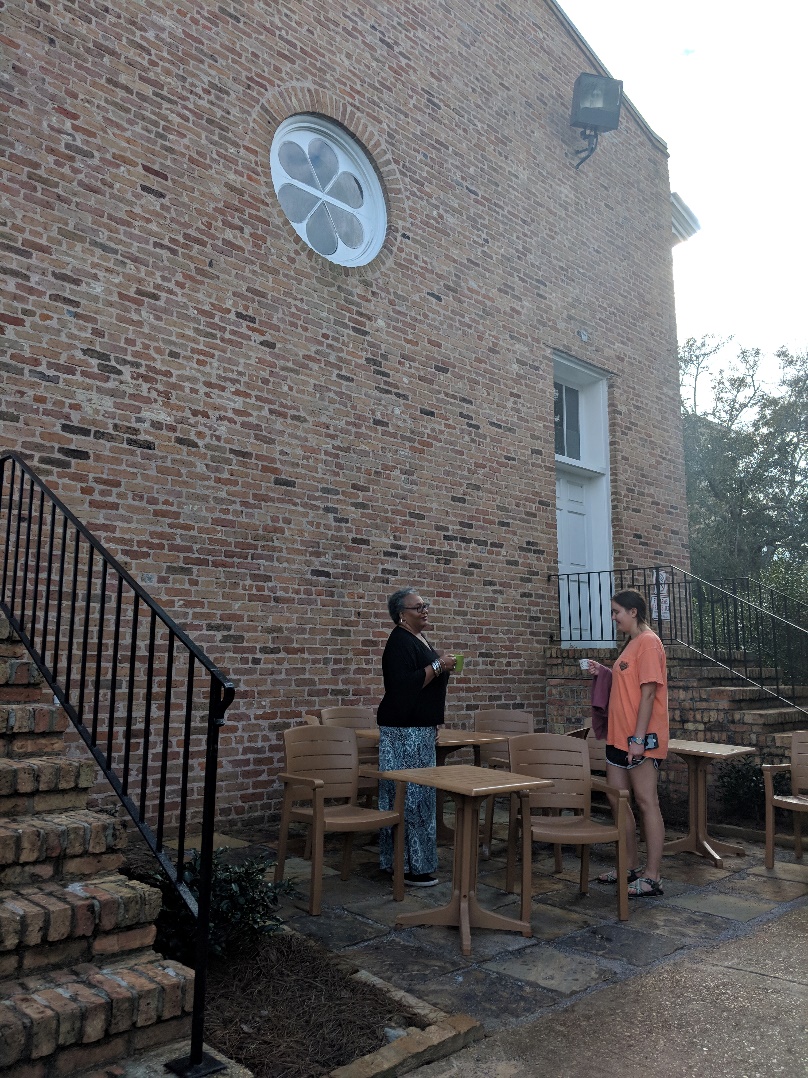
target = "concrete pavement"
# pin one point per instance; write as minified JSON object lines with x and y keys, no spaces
{"x":731,"y":1010}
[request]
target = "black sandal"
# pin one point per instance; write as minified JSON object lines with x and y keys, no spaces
{"x":645,"y":887}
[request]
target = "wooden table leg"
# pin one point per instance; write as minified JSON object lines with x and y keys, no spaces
{"x":697,"y":840}
{"x":463,"y":910}
{"x":445,"y":834}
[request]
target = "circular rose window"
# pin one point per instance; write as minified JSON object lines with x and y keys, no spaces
{"x":328,"y":188}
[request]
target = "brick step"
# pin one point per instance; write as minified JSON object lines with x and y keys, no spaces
{"x":18,"y":671}
{"x":715,"y":675}
{"x":737,"y":732}
{"x":66,"y":1021}
{"x":10,"y":643}
{"x":44,"y":784}
{"x":57,"y":924}
{"x":720,"y":676}
{"x":785,"y":718}
{"x":751,"y":692}
{"x":729,"y":696}
{"x":753,"y":717}
{"x":30,"y":729}
{"x":65,"y":846}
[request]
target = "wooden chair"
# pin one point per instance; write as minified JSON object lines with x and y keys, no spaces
{"x":565,"y":760}
{"x":322,"y":766}
{"x":597,"y":766}
{"x":796,"y":801}
{"x":354,"y":717}
{"x":312,"y":720}
{"x":597,"y":755}
{"x":498,"y":721}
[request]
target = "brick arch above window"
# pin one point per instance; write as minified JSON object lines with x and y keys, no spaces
{"x":292,"y":100}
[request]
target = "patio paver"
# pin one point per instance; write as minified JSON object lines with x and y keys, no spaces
{"x":729,"y":906}
{"x":552,"y":969}
{"x":493,"y":1000}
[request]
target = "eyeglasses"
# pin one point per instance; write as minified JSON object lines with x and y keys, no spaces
{"x":421,"y":608}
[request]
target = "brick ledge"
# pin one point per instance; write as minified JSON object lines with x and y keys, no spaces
{"x":445,"y":1035}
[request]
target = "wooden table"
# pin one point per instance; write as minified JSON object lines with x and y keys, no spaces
{"x":470,"y":786}
{"x":448,"y":741}
{"x":699,"y":755}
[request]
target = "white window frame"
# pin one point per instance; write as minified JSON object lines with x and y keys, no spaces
{"x":352,"y":158}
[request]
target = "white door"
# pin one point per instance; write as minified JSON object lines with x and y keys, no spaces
{"x":583,"y":553}
{"x":573,"y":555}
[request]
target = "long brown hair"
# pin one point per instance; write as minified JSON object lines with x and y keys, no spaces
{"x":632,"y":600}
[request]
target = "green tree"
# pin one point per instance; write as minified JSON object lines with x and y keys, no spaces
{"x":746,"y":460}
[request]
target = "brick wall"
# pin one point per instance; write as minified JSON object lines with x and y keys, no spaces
{"x":272,"y":443}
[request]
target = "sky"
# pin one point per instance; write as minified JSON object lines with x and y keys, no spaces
{"x":723,"y":83}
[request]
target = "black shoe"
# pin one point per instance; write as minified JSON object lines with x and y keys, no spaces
{"x":420,"y":879}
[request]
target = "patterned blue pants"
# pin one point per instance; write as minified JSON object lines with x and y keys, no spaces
{"x":410,"y":746}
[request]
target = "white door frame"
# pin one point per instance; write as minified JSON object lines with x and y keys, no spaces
{"x":592,"y":469}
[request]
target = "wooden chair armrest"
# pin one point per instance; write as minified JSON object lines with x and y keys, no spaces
{"x":769,"y":771}
{"x":618,"y":799}
{"x":603,"y":787}
{"x":301,"y":780}
{"x":499,"y":761}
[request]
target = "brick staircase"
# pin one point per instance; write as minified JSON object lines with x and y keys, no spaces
{"x":80,"y":986}
{"x":711,"y":703}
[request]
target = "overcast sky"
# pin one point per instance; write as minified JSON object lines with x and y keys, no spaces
{"x":724,"y":84}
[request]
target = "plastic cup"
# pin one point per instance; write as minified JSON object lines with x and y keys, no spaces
{"x":458,"y":664}
{"x":584,"y":664}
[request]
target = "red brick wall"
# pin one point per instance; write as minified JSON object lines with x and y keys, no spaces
{"x":273,"y":443}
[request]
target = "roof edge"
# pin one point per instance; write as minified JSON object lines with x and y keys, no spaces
{"x":655,"y":140}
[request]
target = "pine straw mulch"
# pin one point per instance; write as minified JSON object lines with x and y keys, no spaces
{"x":286,"y":1008}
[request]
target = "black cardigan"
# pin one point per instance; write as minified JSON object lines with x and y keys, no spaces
{"x":407,"y":702}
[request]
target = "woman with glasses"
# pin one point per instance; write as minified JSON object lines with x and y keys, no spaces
{"x":415,"y":679}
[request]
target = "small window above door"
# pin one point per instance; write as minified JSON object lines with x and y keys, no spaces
{"x":567,"y":421}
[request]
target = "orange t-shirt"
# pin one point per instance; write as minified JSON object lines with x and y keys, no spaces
{"x":641,"y":662}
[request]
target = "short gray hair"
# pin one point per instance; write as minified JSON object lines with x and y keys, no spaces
{"x":395,"y":604}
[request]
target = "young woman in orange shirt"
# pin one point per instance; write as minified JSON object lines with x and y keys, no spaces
{"x":637,"y":737}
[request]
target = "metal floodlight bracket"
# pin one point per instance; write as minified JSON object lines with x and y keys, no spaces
{"x":596,"y":101}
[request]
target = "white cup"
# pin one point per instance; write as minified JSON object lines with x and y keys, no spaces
{"x":584,"y":664}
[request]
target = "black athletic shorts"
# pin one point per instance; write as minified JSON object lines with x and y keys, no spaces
{"x":619,"y":757}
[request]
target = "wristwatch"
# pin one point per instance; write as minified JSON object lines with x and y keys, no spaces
{"x":637,"y":741}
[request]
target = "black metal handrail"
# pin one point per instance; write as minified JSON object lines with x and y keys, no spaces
{"x":753,"y":643}
{"x":763,"y":595}
{"x":146,"y":701}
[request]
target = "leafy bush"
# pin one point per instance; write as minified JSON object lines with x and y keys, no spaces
{"x":242,"y":907}
{"x":740,"y":786}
